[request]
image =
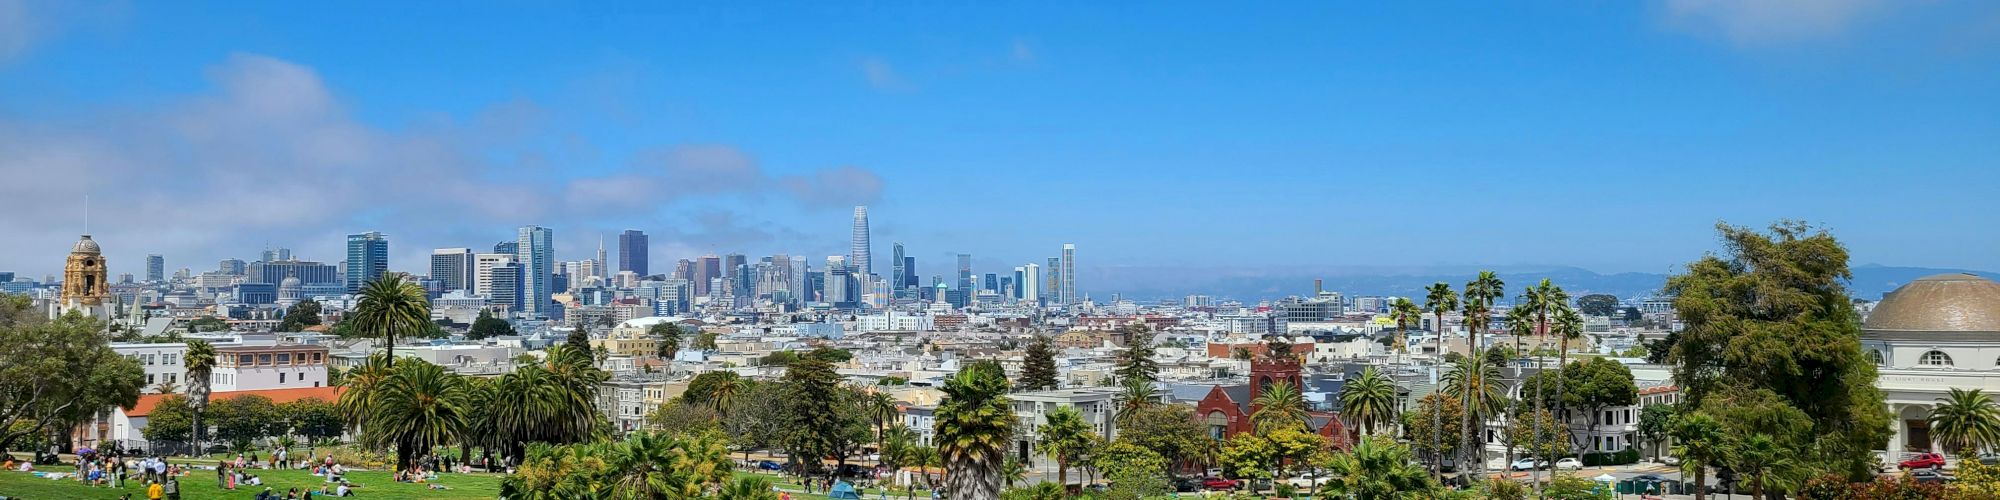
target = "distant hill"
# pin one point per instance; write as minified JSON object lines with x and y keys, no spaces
{"x":1254,"y":284}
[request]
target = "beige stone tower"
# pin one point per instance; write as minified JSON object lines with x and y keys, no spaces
{"x":85,"y":287}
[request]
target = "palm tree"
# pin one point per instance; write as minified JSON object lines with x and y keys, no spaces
{"x":1698,"y":444}
{"x":748,"y":488}
{"x":391,"y":306}
{"x":1279,"y":407}
{"x":724,"y":395}
{"x":1520,"y":324}
{"x":200,"y":361}
{"x":1966,"y":420}
{"x":1478,"y":309}
{"x":1139,"y":394}
{"x":670,"y":339}
{"x":1765,"y":464}
{"x":1405,"y":314}
{"x":649,"y":465}
{"x":1378,"y":468}
{"x":1370,"y":399}
{"x":1040,"y":491}
{"x":1063,"y":438}
{"x":1476,"y":383}
{"x":1439,"y":299}
{"x":1013,"y":472}
{"x":925,"y":457}
{"x":1568,"y":326}
{"x":882,"y":409}
{"x":420,"y":406}
{"x":1543,"y":299}
{"x":974,"y":426}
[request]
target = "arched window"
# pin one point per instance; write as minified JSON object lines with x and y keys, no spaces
{"x":1875,"y":355}
{"x":1935,"y":358}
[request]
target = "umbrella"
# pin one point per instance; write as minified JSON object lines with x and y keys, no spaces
{"x":1606,"y":478}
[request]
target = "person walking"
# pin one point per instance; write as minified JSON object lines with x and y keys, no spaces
{"x":222,"y":474}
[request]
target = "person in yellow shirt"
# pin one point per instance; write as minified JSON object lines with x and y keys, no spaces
{"x":155,"y":492}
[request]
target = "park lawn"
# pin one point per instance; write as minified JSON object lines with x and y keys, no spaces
{"x":200,"y":485}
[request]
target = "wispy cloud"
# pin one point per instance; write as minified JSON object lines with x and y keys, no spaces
{"x":272,"y":154}
{"x":1768,"y":22}
{"x":882,"y":76}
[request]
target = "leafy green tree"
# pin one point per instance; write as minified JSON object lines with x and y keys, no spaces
{"x":881,"y":409}
{"x":1038,"y":365}
{"x":299,"y":316}
{"x":1136,"y":362}
{"x":172,"y":421}
{"x":748,"y":488}
{"x":1654,"y":424}
{"x":682,"y":417}
{"x":486,"y":326}
{"x":1537,"y":432}
{"x":818,"y":410}
{"x":1168,"y":429}
{"x":1246,"y":456}
{"x":244,"y":419}
{"x":758,"y":419}
{"x":315,"y":419}
{"x":1597,"y":304}
{"x":1134,"y":472}
{"x":1370,"y":400}
{"x":58,"y":373}
{"x":1966,"y":420}
{"x":1279,"y":407}
{"x":893,"y":380}
{"x":1063,"y":438}
{"x":1378,"y":468}
{"x":974,"y":427}
{"x":1773,"y":312}
{"x":1435,"y":416}
{"x":1765,"y":464}
{"x":391,"y":306}
{"x":669,"y":334}
{"x":705,"y":340}
{"x":1600,"y":383}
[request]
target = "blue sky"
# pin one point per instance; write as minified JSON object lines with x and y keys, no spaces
{"x":1607,"y":135}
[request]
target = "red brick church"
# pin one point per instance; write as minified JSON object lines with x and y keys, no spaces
{"x":1226,"y":410}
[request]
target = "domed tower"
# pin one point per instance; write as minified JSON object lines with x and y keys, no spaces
{"x":289,"y":290}
{"x":85,"y":287}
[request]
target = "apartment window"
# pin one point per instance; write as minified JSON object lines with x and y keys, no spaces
{"x":281,"y":377}
{"x":264,"y":360}
{"x":1875,"y":355}
{"x":315,"y":358}
{"x":284,"y":358}
{"x":1935,"y":358}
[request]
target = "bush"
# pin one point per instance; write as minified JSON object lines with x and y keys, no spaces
{"x":1626,"y":456}
{"x":1576,"y":488}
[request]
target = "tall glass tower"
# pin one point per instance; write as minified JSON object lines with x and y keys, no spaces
{"x":1069,"y":273}
{"x":896,"y":283}
{"x":632,"y":252}
{"x":858,"y":256}
{"x":536,"y":254}
{"x":367,"y":259}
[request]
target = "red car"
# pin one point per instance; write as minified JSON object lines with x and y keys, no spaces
{"x":1216,"y":483}
{"x":1923,"y":461}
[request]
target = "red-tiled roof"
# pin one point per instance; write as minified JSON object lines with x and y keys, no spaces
{"x":1658,"y":389}
{"x":280,"y":396}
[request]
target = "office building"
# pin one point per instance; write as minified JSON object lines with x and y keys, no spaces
{"x":367,"y":259}
{"x":1031,"y":282}
{"x":632,"y":252}
{"x":898,"y":270}
{"x":454,"y":267}
{"x":232,"y":267}
{"x":1068,"y":274}
{"x":507,"y":247}
{"x":706,"y":269}
{"x":308,"y":272}
{"x":1052,"y":281}
{"x":859,"y":254}
{"x":505,"y":285}
{"x":603,"y":272}
{"x":156,"y":268}
{"x":537,"y":259}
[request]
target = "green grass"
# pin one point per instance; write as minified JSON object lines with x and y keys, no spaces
{"x":200,"y":485}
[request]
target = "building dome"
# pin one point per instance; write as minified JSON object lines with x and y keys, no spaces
{"x":290,"y":281}
{"x":1956,"y":302}
{"x":85,"y":245}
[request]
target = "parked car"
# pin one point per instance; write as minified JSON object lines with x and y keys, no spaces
{"x":1528,"y":464}
{"x":1305,"y":480}
{"x":1569,"y":464}
{"x":1922,"y":461}
{"x":1187,"y":484}
{"x":1216,"y":483}
{"x":1932,"y":476}
{"x":770,"y":465}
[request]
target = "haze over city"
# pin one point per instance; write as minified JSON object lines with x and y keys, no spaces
{"x":1609,"y":137}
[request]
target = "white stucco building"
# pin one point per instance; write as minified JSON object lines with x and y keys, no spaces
{"x":1932,"y":335}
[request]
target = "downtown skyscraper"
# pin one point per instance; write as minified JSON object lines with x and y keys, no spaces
{"x":536,"y":255}
{"x":1068,"y":291}
{"x":156,"y":268}
{"x":367,"y":259}
{"x":632,"y":252}
{"x":454,"y":267}
{"x":858,"y":256}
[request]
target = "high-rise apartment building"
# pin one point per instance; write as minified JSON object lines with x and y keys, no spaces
{"x":367,"y":259}
{"x":964,"y":280}
{"x":537,"y":258}
{"x":506,"y":286}
{"x":156,"y":268}
{"x":1052,"y":281}
{"x":859,"y":254}
{"x":1031,"y":282}
{"x":482,"y":271}
{"x":454,"y":267}
{"x":1020,"y":278}
{"x":232,"y":267}
{"x":1068,"y":274}
{"x":632,"y":252}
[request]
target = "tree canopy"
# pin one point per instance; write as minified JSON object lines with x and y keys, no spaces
{"x":299,"y":316}
{"x":486,"y":326}
{"x":58,"y":373}
{"x":1597,"y":304}
{"x":1038,"y":365}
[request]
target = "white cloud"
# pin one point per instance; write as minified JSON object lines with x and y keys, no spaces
{"x":1763,"y":22}
{"x":272,"y":155}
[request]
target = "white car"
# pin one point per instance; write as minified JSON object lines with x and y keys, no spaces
{"x":1528,"y":464}
{"x":1569,"y":464}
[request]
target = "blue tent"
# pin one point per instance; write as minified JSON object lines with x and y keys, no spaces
{"x":842,"y":490}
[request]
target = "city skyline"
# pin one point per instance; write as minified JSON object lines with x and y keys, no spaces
{"x":1775,"y":114}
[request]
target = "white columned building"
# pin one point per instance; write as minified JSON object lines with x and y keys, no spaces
{"x":1932,"y":335}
